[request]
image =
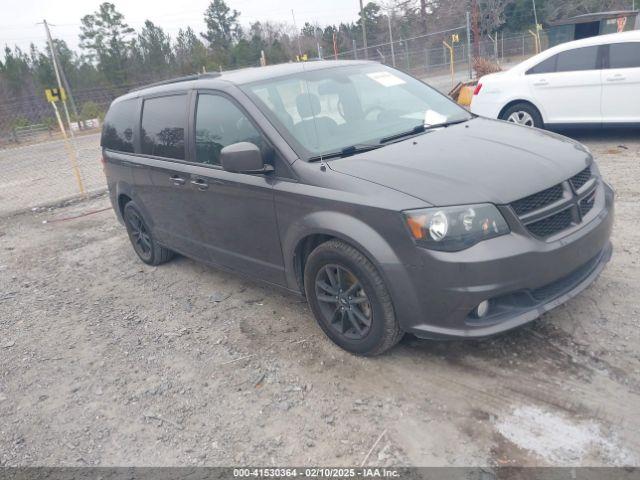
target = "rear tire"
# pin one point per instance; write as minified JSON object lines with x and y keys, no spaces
{"x":523,"y":113}
{"x":354,"y":309}
{"x":141,"y":237}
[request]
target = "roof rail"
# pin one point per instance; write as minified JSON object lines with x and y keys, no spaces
{"x":187,"y":78}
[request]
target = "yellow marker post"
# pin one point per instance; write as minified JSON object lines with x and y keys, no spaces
{"x":55,"y":94}
{"x":52,"y":95}
{"x":450,"y":60}
{"x":536,"y":40}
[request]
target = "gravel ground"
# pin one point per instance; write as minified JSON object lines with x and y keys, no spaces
{"x":106,"y":361}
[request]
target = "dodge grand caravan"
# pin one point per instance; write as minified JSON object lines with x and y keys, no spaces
{"x":388,"y":206}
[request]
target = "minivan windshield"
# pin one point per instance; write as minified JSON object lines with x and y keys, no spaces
{"x":350,"y":109}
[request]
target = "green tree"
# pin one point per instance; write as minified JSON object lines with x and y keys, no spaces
{"x":105,"y":37}
{"x":246,"y":53}
{"x":155,"y":48}
{"x":222,"y":25}
{"x":15,"y":69}
{"x":372,"y":20}
{"x":41,"y":67}
{"x":190,"y":53}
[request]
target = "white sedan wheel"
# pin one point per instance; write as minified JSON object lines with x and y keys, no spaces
{"x":521,"y":118}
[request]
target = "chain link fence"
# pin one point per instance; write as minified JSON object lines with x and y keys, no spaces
{"x":432,"y":56}
{"x":37,"y":169}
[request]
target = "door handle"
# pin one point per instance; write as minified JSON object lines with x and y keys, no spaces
{"x":616,"y":78}
{"x":200,"y":183}
{"x":541,"y":83}
{"x":177,"y":180}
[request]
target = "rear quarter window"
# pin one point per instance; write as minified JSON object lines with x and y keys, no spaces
{"x":119,"y":129}
{"x":545,"y":66}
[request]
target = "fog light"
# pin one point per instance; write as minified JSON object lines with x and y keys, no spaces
{"x":482,"y":309}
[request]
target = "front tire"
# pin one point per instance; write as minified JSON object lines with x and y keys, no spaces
{"x":141,"y":237}
{"x":523,"y":114}
{"x":350,"y":300}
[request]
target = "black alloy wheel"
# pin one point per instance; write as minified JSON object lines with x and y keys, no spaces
{"x":141,"y":236}
{"x":349,"y":299}
{"x":139,"y":233}
{"x":343,"y":302}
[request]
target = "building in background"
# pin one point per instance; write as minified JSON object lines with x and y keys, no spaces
{"x":590,"y":25}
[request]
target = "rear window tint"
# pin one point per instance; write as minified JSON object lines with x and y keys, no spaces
{"x":119,"y":129}
{"x":545,"y":66}
{"x":163,"y":126}
{"x":624,"y":55}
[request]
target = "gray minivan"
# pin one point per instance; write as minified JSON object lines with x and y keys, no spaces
{"x":388,"y":206}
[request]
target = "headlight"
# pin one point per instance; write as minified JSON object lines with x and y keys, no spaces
{"x":455,"y":228}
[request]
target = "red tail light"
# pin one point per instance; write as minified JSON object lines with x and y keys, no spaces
{"x":477,"y":90}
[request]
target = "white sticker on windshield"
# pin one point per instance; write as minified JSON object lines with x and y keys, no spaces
{"x":387,"y":79}
{"x":432,"y":117}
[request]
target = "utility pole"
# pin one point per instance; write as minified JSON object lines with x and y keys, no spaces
{"x":364,"y":31}
{"x":297,"y":31}
{"x":393,"y":53}
{"x":58,"y":71}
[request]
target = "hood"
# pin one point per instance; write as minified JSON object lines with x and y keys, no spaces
{"x":478,"y":161}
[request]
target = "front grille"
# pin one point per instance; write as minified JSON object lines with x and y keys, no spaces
{"x":538,"y":200}
{"x":557,"y":208}
{"x":551,"y":225}
{"x":587,"y":204}
{"x":580,"y":178}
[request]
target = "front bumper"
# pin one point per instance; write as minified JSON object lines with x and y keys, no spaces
{"x":522,"y":278}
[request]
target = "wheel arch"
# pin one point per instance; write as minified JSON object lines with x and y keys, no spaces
{"x":123,"y":199}
{"x":528,"y":101}
{"x":320,"y":227}
{"x":124,"y":194}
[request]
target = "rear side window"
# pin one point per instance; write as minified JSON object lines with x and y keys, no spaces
{"x":624,"y":55}
{"x":163,"y":126}
{"x":119,"y":129}
{"x":545,"y":66}
{"x":219,"y":123}
{"x":578,"y":59}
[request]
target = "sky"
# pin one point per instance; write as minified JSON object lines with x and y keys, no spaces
{"x":19,"y":18}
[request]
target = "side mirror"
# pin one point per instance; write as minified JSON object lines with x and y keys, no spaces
{"x":243,"y":157}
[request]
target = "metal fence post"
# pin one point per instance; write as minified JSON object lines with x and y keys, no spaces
{"x":406,"y":52}
{"x":469,"y":46}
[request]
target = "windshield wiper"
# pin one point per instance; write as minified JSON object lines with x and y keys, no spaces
{"x":346,"y":151}
{"x":419,"y":129}
{"x":415,"y":130}
{"x":446,"y":124}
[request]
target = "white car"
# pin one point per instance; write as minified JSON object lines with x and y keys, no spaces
{"x":593,"y":81}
